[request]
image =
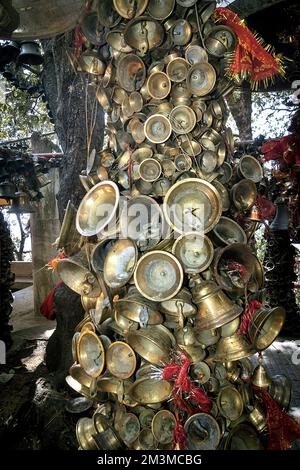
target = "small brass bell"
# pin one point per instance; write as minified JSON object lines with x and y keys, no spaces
{"x":260,"y":377}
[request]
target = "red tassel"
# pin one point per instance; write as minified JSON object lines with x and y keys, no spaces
{"x":179,"y":435}
{"x":247,"y":315}
{"x":283,"y":429}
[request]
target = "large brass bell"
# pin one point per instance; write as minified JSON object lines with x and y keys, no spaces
{"x":265,"y":326}
{"x":226,"y":269}
{"x":215,"y":309}
{"x":233,"y":348}
{"x":192,"y":205}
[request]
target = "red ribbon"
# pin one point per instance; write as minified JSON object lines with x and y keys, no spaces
{"x":283,"y":429}
{"x":249,"y":56}
{"x":196,"y":399}
{"x":247,"y":316}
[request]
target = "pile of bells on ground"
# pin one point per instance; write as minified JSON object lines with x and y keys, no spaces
{"x":176,"y":290}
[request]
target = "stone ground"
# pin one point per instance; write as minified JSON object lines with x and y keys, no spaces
{"x":29,"y":382}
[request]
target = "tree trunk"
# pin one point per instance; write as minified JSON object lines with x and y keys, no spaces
{"x":76,"y":113}
{"x":240,"y":104}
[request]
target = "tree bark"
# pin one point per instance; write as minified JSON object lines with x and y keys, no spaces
{"x":240,"y":104}
{"x":76,"y":113}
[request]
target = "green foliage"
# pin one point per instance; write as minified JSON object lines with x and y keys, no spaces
{"x":22,"y":113}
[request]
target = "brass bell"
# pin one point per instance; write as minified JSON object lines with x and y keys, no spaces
{"x":215,"y":309}
{"x":115,"y":38}
{"x":202,"y":431}
{"x":148,"y":232}
{"x":201,"y":79}
{"x":163,"y":425}
{"x":220,"y":40}
{"x":75,"y":274}
{"x":160,"y":9}
{"x":225,"y":173}
{"x":260,"y":377}
{"x":107,"y":16}
{"x":250,"y":168}
{"x":158,"y":85}
{"x":228,"y":279}
{"x":144,"y":34}
{"x":194,"y":251}
{"x":152,"y":343}
{"x":244,"y":194}
{"x":181,"y":32}
{"x":157,"y":128}
{"x":85,"y":432}
{"x":222,"y":190}
{"x":103,"y":97}
{"x":233,"y":348}
{"x":21,"y":204}
{"x":128,"y":9}
{"x":131,"y":72}
{"x":119,"y":263}
{"x":208,"y":337}
{"x":197,"y":206}
{"x":183,"y":119}
{"x":150,"y":170}
{"x":98,"y":208}
{"x":195,"y":54}
{"x":265,"y":326}
{"x":158,"y":275}
{"x":89,"y":62}
{"x":227,"y":231}
{"x":69,"y":238}
{"x":177,"y":69}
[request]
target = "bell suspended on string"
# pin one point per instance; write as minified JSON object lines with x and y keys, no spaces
{"x":30,"y":53}
{"x":21,"y":205}
{"x":215,"y":309}
{"x":281,"y":219}
{"x":260,"y":377}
